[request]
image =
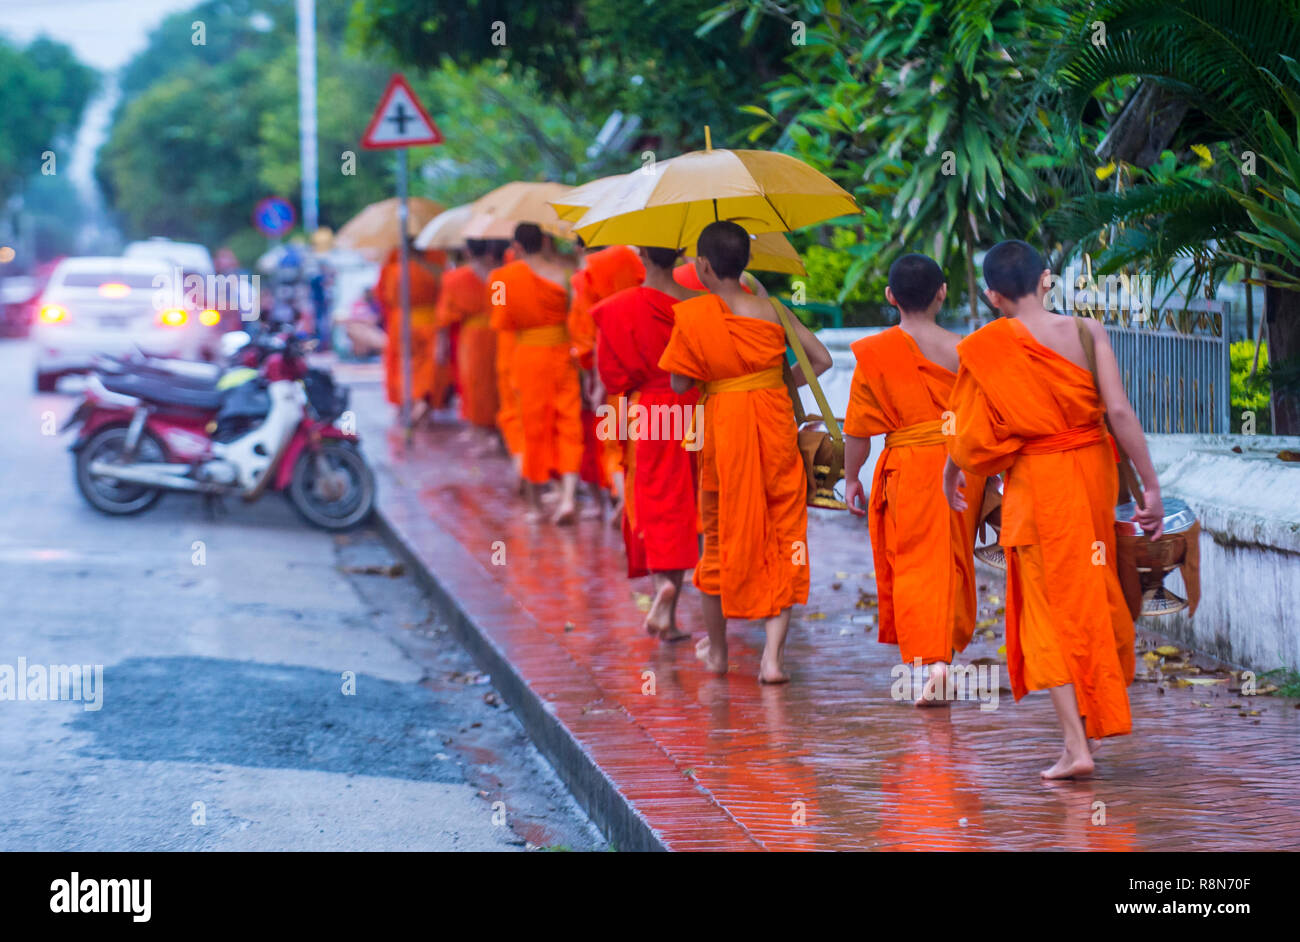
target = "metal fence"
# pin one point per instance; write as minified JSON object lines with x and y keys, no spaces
{"x":1177,"y":377}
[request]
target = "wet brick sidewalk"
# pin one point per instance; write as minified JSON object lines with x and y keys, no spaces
{"x":829,"y":761}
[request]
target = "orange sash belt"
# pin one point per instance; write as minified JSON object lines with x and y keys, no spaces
{"x":769,"y":378}
{"x":914,"y":436}
{"x":478,"y":320}
{"x":1078,"y":437}
{"x":553,"y":336}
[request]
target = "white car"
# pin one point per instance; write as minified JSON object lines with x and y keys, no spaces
{"x":115,"y":306}
{"x":189,"y":256}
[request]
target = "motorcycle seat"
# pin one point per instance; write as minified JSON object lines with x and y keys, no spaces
{"x":163,"y":392}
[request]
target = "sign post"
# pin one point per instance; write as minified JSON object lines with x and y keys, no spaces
{"x":400,"y":122}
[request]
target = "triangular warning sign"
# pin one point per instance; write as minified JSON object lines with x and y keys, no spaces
{"x":400,"y":120}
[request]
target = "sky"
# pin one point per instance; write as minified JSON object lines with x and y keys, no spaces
{"x":103,"y":33}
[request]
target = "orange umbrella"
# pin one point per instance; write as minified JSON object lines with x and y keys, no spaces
{"x":373,"y":231}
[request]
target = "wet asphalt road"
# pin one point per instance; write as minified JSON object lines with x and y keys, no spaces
{"x":226,"y":645}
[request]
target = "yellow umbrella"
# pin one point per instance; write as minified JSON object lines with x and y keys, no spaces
{"x":670,"y":203}
{"x":373,"y":231}
{"x":497,"y":213}
{"x":445,"y":230}
{"x":772,"y":251}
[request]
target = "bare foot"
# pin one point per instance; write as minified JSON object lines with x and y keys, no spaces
{"x":673,"y":633}
{"x":616,"y":513}
{"x":1069,"y":766}
{"x":660,"y":617}
{"x":934,"y":693}
{"x":716,"y":661}
{"x":771,"y":672}
{"x":565,"y":515}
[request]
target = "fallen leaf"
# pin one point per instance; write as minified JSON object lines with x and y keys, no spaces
{"x":1167,"y":650}
{"x":1002,"y":650}
{"x":1150,"y":657}
{"x":1289,"y":455}
{"x":841,"y":575}
{"x":986,"y":623}
{"x":642,"y":600}
{"x":836,"y":585}
{"x":491,"y":699}
{"x":815,"y":616}
{"x":994,"y":599}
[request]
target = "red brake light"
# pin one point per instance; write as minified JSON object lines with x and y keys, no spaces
{"x":173,"y":317}
{"x":53,"y":314}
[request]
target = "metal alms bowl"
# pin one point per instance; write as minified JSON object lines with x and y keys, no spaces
{"x":1178,"y":517}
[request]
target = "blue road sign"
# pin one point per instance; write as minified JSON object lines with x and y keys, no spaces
{"x":274,"y":216}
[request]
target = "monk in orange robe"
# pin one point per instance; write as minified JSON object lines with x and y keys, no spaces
{"x":659,"y":515}
{"x":923,"y":549}
{"x":465,"y":304}
{"x":530,"y":300}
{"x":604,"y":272}
{"x":1027,"y":407}
{"x":430,"y":382}
{"x":753,"y":488}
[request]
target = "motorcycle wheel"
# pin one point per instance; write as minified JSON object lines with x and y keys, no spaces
{"x":333,"y":488}
{"x":117,"y":498}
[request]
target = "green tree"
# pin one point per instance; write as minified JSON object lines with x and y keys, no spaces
{"x":643,"y":57}
{"x":45,"y":90}
{"x":933,"y":112}
{"x":1214,"y":99}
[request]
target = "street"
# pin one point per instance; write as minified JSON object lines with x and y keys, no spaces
{"x":266,"y":686}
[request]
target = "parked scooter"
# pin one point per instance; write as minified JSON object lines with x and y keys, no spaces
{"x":143,"y":434}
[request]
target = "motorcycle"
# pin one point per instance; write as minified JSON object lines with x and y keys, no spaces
{"x":146,"y":432}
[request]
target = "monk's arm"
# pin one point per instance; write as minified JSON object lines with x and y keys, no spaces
{"x":818,"y":356}
{"x":856,"y":452}
{"x":1128,"y":430}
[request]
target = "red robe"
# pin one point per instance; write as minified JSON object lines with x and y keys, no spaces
{"x":659,"y":519}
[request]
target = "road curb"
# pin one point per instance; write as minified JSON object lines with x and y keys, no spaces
{"x":605,"y":804}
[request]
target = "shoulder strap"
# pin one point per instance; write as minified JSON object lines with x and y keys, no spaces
{"x":1128,"y":480}
{"x":801,"y":357}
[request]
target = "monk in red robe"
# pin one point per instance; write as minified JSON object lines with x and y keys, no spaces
{"x":1027,"y":407}
{"x":923,"y":549}
{"x":659,"y":515}
{"x":530,"y":300}
{"x":753,"y":487}
{"x":604,"y":272}
{"x":431,"y":383}
{"x":465,"y":305}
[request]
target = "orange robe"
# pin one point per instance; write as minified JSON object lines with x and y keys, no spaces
{"x":659,"y":515}
{"x":604,"y":273}
{"x":752,"y":484}
{"x":923,"y":549}
{"x":543,"y":376}
{"x":1025,"y":410}
{"x":465,"y":304}
{"x":429,"y":381}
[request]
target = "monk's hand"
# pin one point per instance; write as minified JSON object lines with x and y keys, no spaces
{"x":856,"y":498}
{"x":954,"y":483}
{"x":1151,"y":518}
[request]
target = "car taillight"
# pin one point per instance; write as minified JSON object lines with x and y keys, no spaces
{"x":53,"y":314}
{"x":173,"y":317}
{"x":210,"y":318}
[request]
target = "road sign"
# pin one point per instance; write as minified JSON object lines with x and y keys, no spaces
{"x":274,"y":216}
{"x":400,"y":120}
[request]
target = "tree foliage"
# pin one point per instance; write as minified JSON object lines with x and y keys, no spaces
{"x":644,"y":57}
{"x":45,"y":90}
